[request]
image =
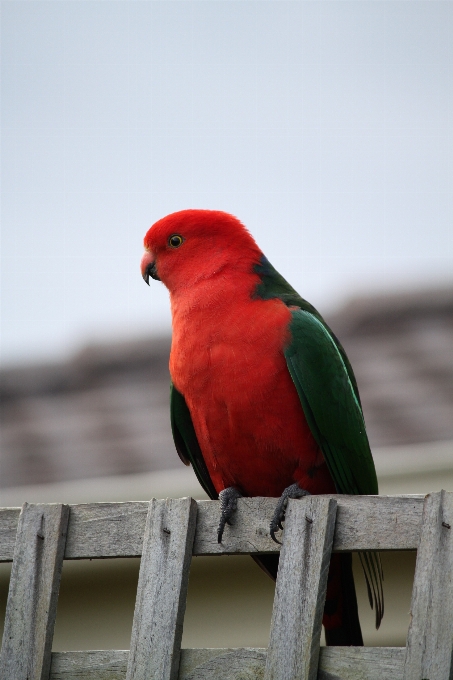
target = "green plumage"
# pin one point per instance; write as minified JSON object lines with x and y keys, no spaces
{"x":186,"y":441}
{"x":330,"y":404}
{"x":273,"y":285}
{"x":326,"y":386}
{"x":328,"y":392}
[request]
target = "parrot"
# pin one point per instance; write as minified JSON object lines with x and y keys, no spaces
{"x":263,"y":399}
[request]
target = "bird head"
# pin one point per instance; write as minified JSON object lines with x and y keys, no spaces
{"x":192,"y":245}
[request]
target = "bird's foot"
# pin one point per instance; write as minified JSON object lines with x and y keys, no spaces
{"x":293,"y":491}
{"x":228,"y":503}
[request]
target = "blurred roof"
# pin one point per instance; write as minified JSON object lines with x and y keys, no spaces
{"x":105,"y":411}
{"x":401,"y":349}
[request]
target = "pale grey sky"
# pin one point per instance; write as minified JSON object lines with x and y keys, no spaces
{"x":324,"y":126}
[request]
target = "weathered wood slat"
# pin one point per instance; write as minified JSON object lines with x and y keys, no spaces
{"x":361,"y":663}
{"x":99,"y":530}
{"x":363,"y":523}
{"x":9,"y":519}
{"x":33,"y":592}
{"x":300,"y":591}
{"x":162,"y":590}
{"x":429,"y":651}
{"x":230,"y":664}
{"x":106,"y":529}
{"x":335,"y":663}
{"x":89,"y":665}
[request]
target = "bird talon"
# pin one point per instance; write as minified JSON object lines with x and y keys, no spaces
{"x":293,"y":491}
{"x":228,"y":503}
{"x":272,"y":532}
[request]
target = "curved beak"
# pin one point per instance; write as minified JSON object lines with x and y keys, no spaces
{"x":148,"y":267}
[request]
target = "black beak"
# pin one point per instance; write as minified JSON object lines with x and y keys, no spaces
{"x":151,"y":270}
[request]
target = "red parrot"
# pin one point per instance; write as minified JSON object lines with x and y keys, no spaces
{"x":264,"y":401}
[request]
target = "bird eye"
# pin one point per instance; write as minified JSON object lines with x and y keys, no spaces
{"x":175,"y":241}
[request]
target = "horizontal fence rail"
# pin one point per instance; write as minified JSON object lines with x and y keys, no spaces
{"x":166,"y":533}
{"x":100,"y":530}
{"x":335,"y":663}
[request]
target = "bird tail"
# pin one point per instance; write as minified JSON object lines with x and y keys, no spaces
{"x":341,"y":617}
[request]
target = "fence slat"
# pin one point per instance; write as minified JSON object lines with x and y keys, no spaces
{"x":99,"y":530}
{"x":106,"y":529}
{"x":9,"y":519}
{"x":162,"y":590}
{"x":89,"y":665}
{"x":429,"y":650}
{"x":301,"y":590}
{"x":335,"y":663}
{"x":33,"y":592}
{"x":363,"y":523}
{"x":361,"y":663}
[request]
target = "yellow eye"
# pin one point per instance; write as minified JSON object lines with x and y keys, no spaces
{"x":175,"y":241}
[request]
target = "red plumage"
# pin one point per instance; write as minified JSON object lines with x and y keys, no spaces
{"x":227,"y":359}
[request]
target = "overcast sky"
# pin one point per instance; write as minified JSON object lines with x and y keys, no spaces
{"x":324,"y":126}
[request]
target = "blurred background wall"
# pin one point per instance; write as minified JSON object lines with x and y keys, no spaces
{"x":325,"y":127}
{"x":105,"y":411}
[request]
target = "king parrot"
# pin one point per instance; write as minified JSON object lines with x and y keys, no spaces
{"x":263,"y":399}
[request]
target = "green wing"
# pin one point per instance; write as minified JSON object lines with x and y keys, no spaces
{"x":330,"y":404}
{"x":326,"y":386}
{"x":330,"y":399}
{"x":186,"y":441}
{"x":273,"y":285}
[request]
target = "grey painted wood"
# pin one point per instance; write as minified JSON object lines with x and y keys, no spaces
{"x":89,"y":665}
{"x":429,"y":649}
{"x":112,"y":665}
{"x":229,"y":664}
{"x":300,"y":591}
{"x":193,"y":659}
{"x":33,"y":592}
{"x":162,"y":590}
{"x":106,"y":529}
{"x":9,"y":519}
{"x":361,"y":663}
{"x":377,"y":523}
{"x":335,"y":663}
{"x":116,"y":529}
{"x":363,"y":523}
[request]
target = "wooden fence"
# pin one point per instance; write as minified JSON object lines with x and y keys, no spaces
{"x":166,"y":533}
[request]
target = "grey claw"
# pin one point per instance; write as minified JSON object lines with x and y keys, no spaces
{"x":272,"y":532}
{"x":228,"y":503}
{"x":293,"y":491}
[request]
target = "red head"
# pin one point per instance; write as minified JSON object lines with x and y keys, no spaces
{"x":191,"y":245}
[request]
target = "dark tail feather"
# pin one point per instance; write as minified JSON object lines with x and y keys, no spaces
{"x":374,"y":576}
{"x":341,"y":618}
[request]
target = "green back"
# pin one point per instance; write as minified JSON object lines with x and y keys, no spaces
{"x":326,"y":386}
{"x":273,"y":285}
{"x":330,"y":404}
{"x":330,"y":399}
